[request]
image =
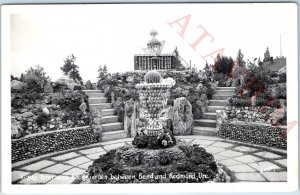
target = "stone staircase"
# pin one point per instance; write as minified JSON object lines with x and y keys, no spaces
{"x":207,"y":124}
{"x":111,"y":127}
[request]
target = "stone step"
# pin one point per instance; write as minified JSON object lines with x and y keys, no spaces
{"x":205,"y":122}
{"x":113,"y":135}
{"x":226,"y":88}
{"x":218,"y":102}
{"x":98,"y":100}
{"x":225,"y":92}
{"x":209,"y":115}
{"x":95,"y":95}
{"x":214,"y":108}
{"x":112,"y":126}
{"x":205,"y":131}
{"x":108,"y":112}
{"x":220,"y":97}
{"x":109,"y":119}
{"x":92,"y":91}
{"x":102,"y":105}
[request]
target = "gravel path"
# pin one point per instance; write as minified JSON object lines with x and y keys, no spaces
{"x":247,"y":163}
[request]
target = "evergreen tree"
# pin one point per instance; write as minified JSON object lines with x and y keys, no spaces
{"x":240,"y":59}
{"x":267,"y":56}
{"x":223,"y":65}
{"x":71,"y":69}
{"x":177,"y":62}
{"x":208,"y":70}
{"x":260,"y":63}
{"x":216,"y":66}
{"x":102,"y":72}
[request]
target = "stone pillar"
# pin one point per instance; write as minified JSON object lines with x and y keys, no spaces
{"x":159,"y":62}
{"x":133,"y":121}
{"x":113,"y":98}
{"x":130,"y":118}
{"x":96,"y":123}
{"x":140,"y":68}
{"x":221,"y":117}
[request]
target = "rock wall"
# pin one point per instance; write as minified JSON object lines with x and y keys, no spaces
{"x":260,"y":134}
{"x":47,"y":142}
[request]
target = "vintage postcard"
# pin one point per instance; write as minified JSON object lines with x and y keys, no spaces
{"x":174,"y":97}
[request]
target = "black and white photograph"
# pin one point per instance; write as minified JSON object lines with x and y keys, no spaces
{"x":184,"y":94}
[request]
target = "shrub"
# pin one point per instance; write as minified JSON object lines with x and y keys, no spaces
{"x":42,"y":119}
{"x":256,"y":81}
{"x":19,"y":100}
{"x":223,"y":65}
{"x":239,"y":102}
{"x":80,"y":87}
{"x":282,"y":77}
{"x":59,"y":87}
{"x":275,"y":103}
{"x":279,"y":91}
{"x":110,"y":81}
{"x":35,"y":78}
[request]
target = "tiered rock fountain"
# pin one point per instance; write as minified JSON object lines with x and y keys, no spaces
{"x":154,"y":156}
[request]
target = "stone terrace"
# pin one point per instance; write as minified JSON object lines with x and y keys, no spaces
{"x":247,"y":163}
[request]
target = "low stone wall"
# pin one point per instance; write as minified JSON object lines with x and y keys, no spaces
{"x":261,"y":134}
{"x":47,"y":142}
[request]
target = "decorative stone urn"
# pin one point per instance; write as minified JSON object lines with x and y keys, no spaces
{"x":153,"y":99}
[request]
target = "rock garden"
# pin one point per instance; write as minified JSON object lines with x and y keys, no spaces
{"x":257,"y":111}
{"x":154,"y":107}
{"x":34,"y":112}
{"x":155,"y":156}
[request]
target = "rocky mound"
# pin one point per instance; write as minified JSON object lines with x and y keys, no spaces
{"x":177,"y":164}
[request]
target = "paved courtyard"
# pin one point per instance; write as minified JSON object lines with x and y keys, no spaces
{"x":246,"y":163}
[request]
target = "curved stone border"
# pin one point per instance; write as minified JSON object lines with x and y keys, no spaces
{"x":45,"y":156}
{"x":258,"y":133}
{"x":43,"y":143}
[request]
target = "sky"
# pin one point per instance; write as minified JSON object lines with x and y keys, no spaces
{"x":113,"y":34}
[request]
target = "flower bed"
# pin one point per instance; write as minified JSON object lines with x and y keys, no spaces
{"x":47,"y":142}
{"x":37,"y":113}
{"x":260,"y":134}
{"x":250,"y":114}
{"x":178,"y":164}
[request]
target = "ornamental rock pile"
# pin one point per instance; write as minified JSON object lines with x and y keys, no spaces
{"x":249,"y":114}
{"x":48,"y":114}
{"x":176,"y":164}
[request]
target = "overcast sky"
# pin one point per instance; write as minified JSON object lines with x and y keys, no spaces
{"x":112,"y":34}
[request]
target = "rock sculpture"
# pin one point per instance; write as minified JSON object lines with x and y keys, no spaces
{"x":183,"y":117}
